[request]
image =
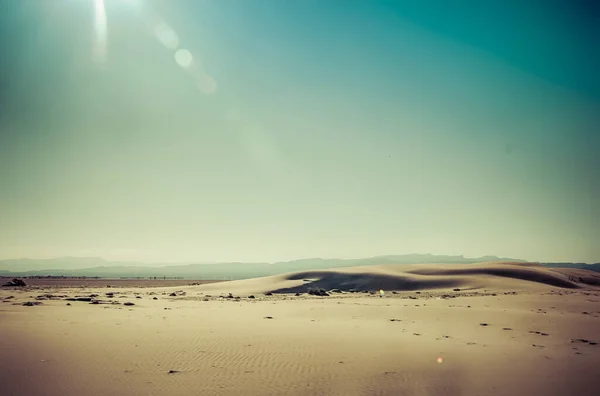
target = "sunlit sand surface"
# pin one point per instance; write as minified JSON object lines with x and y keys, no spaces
{"x":496,"y":328}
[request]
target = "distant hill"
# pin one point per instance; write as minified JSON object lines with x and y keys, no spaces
{"x":74,"y":266}
{"x":93,"y":266}
{"x":64,"y":263}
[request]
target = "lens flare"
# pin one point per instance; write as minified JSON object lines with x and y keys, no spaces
{"x":439,"y":360}
{"x":184,"y":58}
{"x":100,"y":49}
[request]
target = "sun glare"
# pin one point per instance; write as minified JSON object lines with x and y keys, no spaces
{"x":161,"y":31}
{"x":100,"y":32}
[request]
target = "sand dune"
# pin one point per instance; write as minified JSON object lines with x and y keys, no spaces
{"x":538,"y":337}
{"x":496,"y":275}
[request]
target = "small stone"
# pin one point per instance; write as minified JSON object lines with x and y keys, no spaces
{"x":84,"y":299}
{"x":580,"y":340}
{"x":128,"y":303}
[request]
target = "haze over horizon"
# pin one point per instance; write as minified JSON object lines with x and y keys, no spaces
{"x":318,"y":129}
{"x":98,"y":258}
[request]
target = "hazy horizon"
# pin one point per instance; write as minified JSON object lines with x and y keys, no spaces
{"x":299,"y":129}
{"x":242,"y":261}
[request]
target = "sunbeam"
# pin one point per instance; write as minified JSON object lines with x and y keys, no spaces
{"x":100,"y":48}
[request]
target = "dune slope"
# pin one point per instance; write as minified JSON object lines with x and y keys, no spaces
{"x":494,"y":275}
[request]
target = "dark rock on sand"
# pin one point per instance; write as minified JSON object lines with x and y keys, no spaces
{"x":84,"y":299}
{"x":581,"y":341}
{"x":15,"y":283}
{"x":96,"y":302}
{"x":316,"y":291}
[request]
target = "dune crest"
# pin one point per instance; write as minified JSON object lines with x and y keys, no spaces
{"x":497,"y":275}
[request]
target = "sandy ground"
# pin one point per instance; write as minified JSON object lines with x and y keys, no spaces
{"x":45,"y":282}
{"x":508,"y":330}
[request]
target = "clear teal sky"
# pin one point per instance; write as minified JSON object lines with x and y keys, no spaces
{"x":301,"y":129}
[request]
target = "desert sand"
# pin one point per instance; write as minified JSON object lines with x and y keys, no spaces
{"x":485,"y":329}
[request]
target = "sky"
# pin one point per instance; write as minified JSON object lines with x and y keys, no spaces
{"x":263,"y":130}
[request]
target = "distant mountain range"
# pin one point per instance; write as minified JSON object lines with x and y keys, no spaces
{"x":94,"y":266}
